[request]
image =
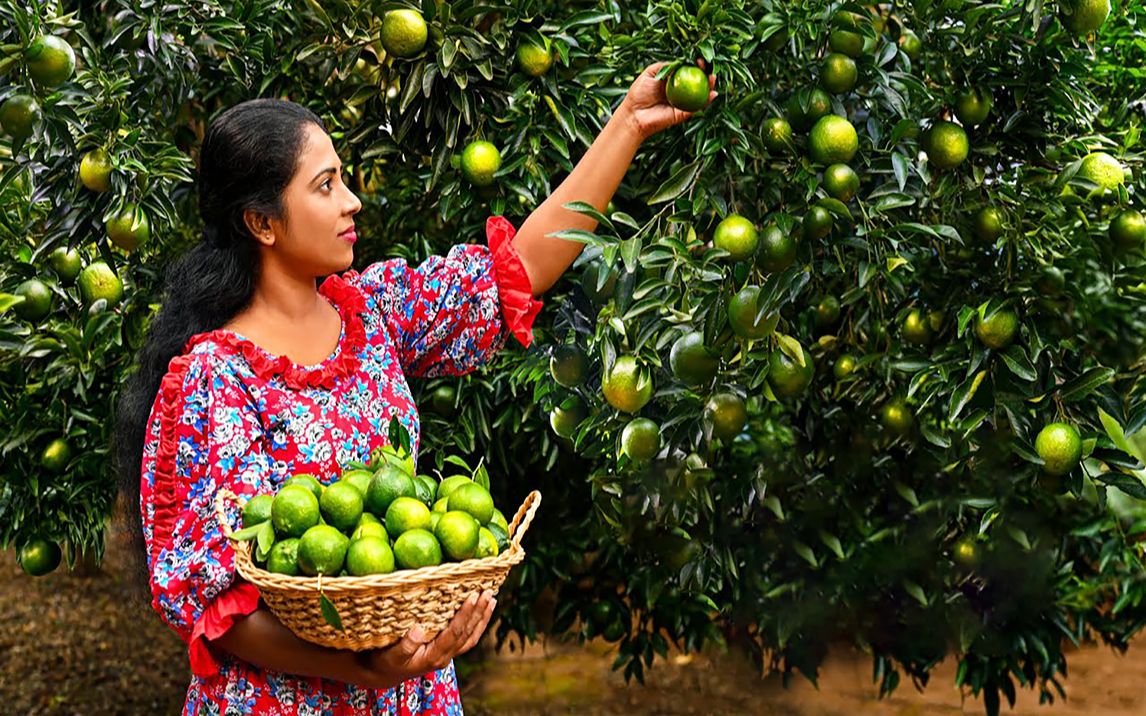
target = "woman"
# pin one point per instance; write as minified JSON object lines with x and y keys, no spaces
{"x":249,"y":374}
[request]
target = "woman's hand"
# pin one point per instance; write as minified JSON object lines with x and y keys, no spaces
{"x":415,"y":655}
{"x":647,"y":106}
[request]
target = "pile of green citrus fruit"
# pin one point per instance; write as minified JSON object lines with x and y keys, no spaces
{"x":376,"y":518}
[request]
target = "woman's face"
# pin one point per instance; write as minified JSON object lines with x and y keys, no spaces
{"x":316,"y":234}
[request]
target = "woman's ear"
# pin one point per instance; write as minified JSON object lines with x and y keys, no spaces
{"x":259,"y":225}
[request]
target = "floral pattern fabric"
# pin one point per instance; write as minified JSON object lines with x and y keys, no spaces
{"x":231,"y":415}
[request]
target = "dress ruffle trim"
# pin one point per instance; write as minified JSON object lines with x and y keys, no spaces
{"x":163,"y":496}
{"x":239,"y":600}
{"x":350,"y":303}
{"x":514,"y":288}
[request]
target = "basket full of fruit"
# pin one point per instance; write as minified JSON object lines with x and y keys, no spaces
{"x":359,"y":562}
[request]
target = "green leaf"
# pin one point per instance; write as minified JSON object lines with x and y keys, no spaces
{"x":330,"y":612}
{"x":247,"y":533}
{"x":1085,"y":384}
{"x":676,"y":184}
{"x":964,"y":393}
{"x":805,"y":552}
{"x":8,"y":300}
{"x":915,"y":591}
{"x":791,"y":348}
{"x":266,"y":540}
{"x":1018,"y":362}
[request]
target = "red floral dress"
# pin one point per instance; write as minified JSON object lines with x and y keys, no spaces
{"x":230,"y":414}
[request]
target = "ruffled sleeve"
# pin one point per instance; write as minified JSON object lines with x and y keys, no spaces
{"x":204,"y":434}
{"x":451,"y":314}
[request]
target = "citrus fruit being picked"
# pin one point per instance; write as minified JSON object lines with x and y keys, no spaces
{"x":838,"y":73}
{"x":997,"y":330}
{"x":404,"y":33}
{"x":988,"y":224}
{"x":50,"y":61}
{"x":692,"y":362}
{"x":736,"y":235}
{"x":416,"y":549}
{"x":841,"y":182}
{"x":777,"y":250}
{"x":474,"y":499}
{"x":129,"y":228}
{"x":946,"y":145}
{"x":534,"y":59}
{"x":487,"y":544}
{"x":405,"y":514}
{"x":257,"y":510}
{"x":341,"y":505}
{"x":916,"y":328}
{"x":37,"y":303}
{"x":1083,"y":17}
{"x":387,"y":485}
{"x":728,"y":415}
{"x":687,"y":88}
{"x":480,"y":161}
{"x":283,"y":558}
{"x":19,"y":116}
{"x":569,"y":365}
{"x":1102,"y":169}
{"x":833,"y":140}
{"x":788,"y":378}
{"x":742,"y":311}
{"x":1128,"y":230}
{"x":95,"y":170}
{"x":973,"y":105}
{"x":641,"y":439}
{"x":628,"y":386}
{"x":567,"y":416}
{"x":322,"y":550}
{"x":1060,"y":447}
{"x":98,"y":281}
{"x":458,"y":534}
{"x":38,"y":557}
{"x":777,"y":135}
{"x":896,"y":417}
{"x":369,"y":555}
{"x":294,"y":510}
{"x":310,"y":482}
{"x":66,"y":263}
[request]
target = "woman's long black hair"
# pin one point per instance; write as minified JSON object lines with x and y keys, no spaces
{"x":249,"y":154}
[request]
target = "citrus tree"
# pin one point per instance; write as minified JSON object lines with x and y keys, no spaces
{"x":853,"y":354}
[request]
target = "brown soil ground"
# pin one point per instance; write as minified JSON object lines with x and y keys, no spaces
{"x":74,"y":645}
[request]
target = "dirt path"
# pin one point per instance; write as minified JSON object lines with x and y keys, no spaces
{"x":76,"y":646}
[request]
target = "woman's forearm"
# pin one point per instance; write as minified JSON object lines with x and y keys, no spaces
{"x":261,"y":639}
{"x":594,"y":181}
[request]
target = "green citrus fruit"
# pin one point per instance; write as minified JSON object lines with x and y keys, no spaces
{"x":598,"y":282}
{"x":827,"y":312}
{"x":38,"y":557}
{"x":911,"y":45}
{"x":567,"y":416}
{"x":487,"y":544}
{"x":817,"y":222}
{"x":777,"y":250}
{"x":688,"y":89}
{"x":310,"y":482}
{"x":1060,"y":447}
{"x":406,"y":513}
{"x":442,"y":505}
{"x":1083,"y":17}
{"x":692,"y":362}
{"x":736,"y":235}
{"x":742,"y":311}
{"x":56,"y":456}
{"x":1102,"y":169}
{"x":370,"y":529}
{"x":788,"y":378}
{"x":322,"y":550}
{"x":533,"y":59}
{"x":845,"y":365}
{"x":341,"y":505}
{"x":387,"y":485}
{"x":641,"y":439}
{"x":1128,"y":230}
{"x":66,"y":263}
{"x":257,"y":510}
{"x":368,"y":519}
{"x":359,"y":478}
{"x":728,"y":414}
{"x":404,"y":33}
{"x":369,"y":555}
{"x":997,"y":330}
{"x":95,"y":170}
{"x":443,"y":400}
{"x":916,"y":328}
{"x":19,"y":116}
{"x":777,"y":135}
{"x":499,"y":520}
{"x":474,"y":499}
{"x":480,"y":161}
{"x":50,"y":61}
{"x":416,"y":549}
{"x":973,"y":105}
{"x":294,"y":510}
{"x":129,"y":228}
{"x":1051,"y":281}
{"x":896,"y":417}
{"x":841,"y":182}
{"x":569,"y":365}
{"x":806,"y":106}
{"x":833,"y":140}
{"x":846,"y":42}
{"x":946,"y":145}
{"x":966,"y":552}
{"x":988,"y":223}
{"x":838,"y":73}
{"x":458,"y":534}
{"x":427,"y":488}
{"x":283,"y":557}
{"x":448,"y":485}
{"x":37,"y":303}
{"x":628,"y":386}
{"x":98,"y":280}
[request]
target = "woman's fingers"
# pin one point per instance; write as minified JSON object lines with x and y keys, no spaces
{"x":476,"y":635}
{"x":450,"y":641}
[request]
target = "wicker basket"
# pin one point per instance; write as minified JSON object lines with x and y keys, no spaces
{"x":377,"y":610}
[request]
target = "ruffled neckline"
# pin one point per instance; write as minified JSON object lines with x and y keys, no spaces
{"x":350,"y":303}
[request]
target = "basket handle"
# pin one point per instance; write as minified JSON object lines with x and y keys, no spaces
{"x":222,"y":497}
{"x":523,"y":517}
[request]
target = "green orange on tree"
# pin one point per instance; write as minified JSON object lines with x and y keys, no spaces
{"x":688,"y":88}
{"x":786,"y":377}
{"x":833,"y":140}
{"x":534,"y":59}
{"x":806,"y":106}
{"x":1083,"y":17}
{"x":567,"y":416}
{"x":743,"y":309}
{"x":841,"y":182}
{"x":129,"y":228}
{"x":998,"y":329}
{"x":66,"y":263}
{"x":1050,"y":281}
{"x":480,"y":162}
{"x":838,"y":73}
{"x":988,"y":224}
{"x":50,"y":60}
{"x":95,"y":170}
{"x":827,"y":312}
{"x":568,"y":365}
{"x":39,"y":556}
{"x":1059,"y":445}
{"x":19,"y":116}
{"x":56,"y":456}
{"x":404,"y":32}
{"x":627,"y":386}
{"x":817,"y":222}
{"x":443,"y":400}
{"x":728,"y":414}
{"x":641,"y":439}
{"x":896,"y":416}
{"x":98,"y":281}
{"x":1102,"y":169}
{"x":844,"y":366}
{"x":1128,"y":230}
{"x":973,"y":105}
{"x":37,"y":303}
{"x":777,"y":250}
{"x":946,"y":145}
{"x":846,"y":42}
{"x":736,"y":235}
{"x":777,"y":135}
{"x":910,"y":44}
{"x":691,"y":361}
